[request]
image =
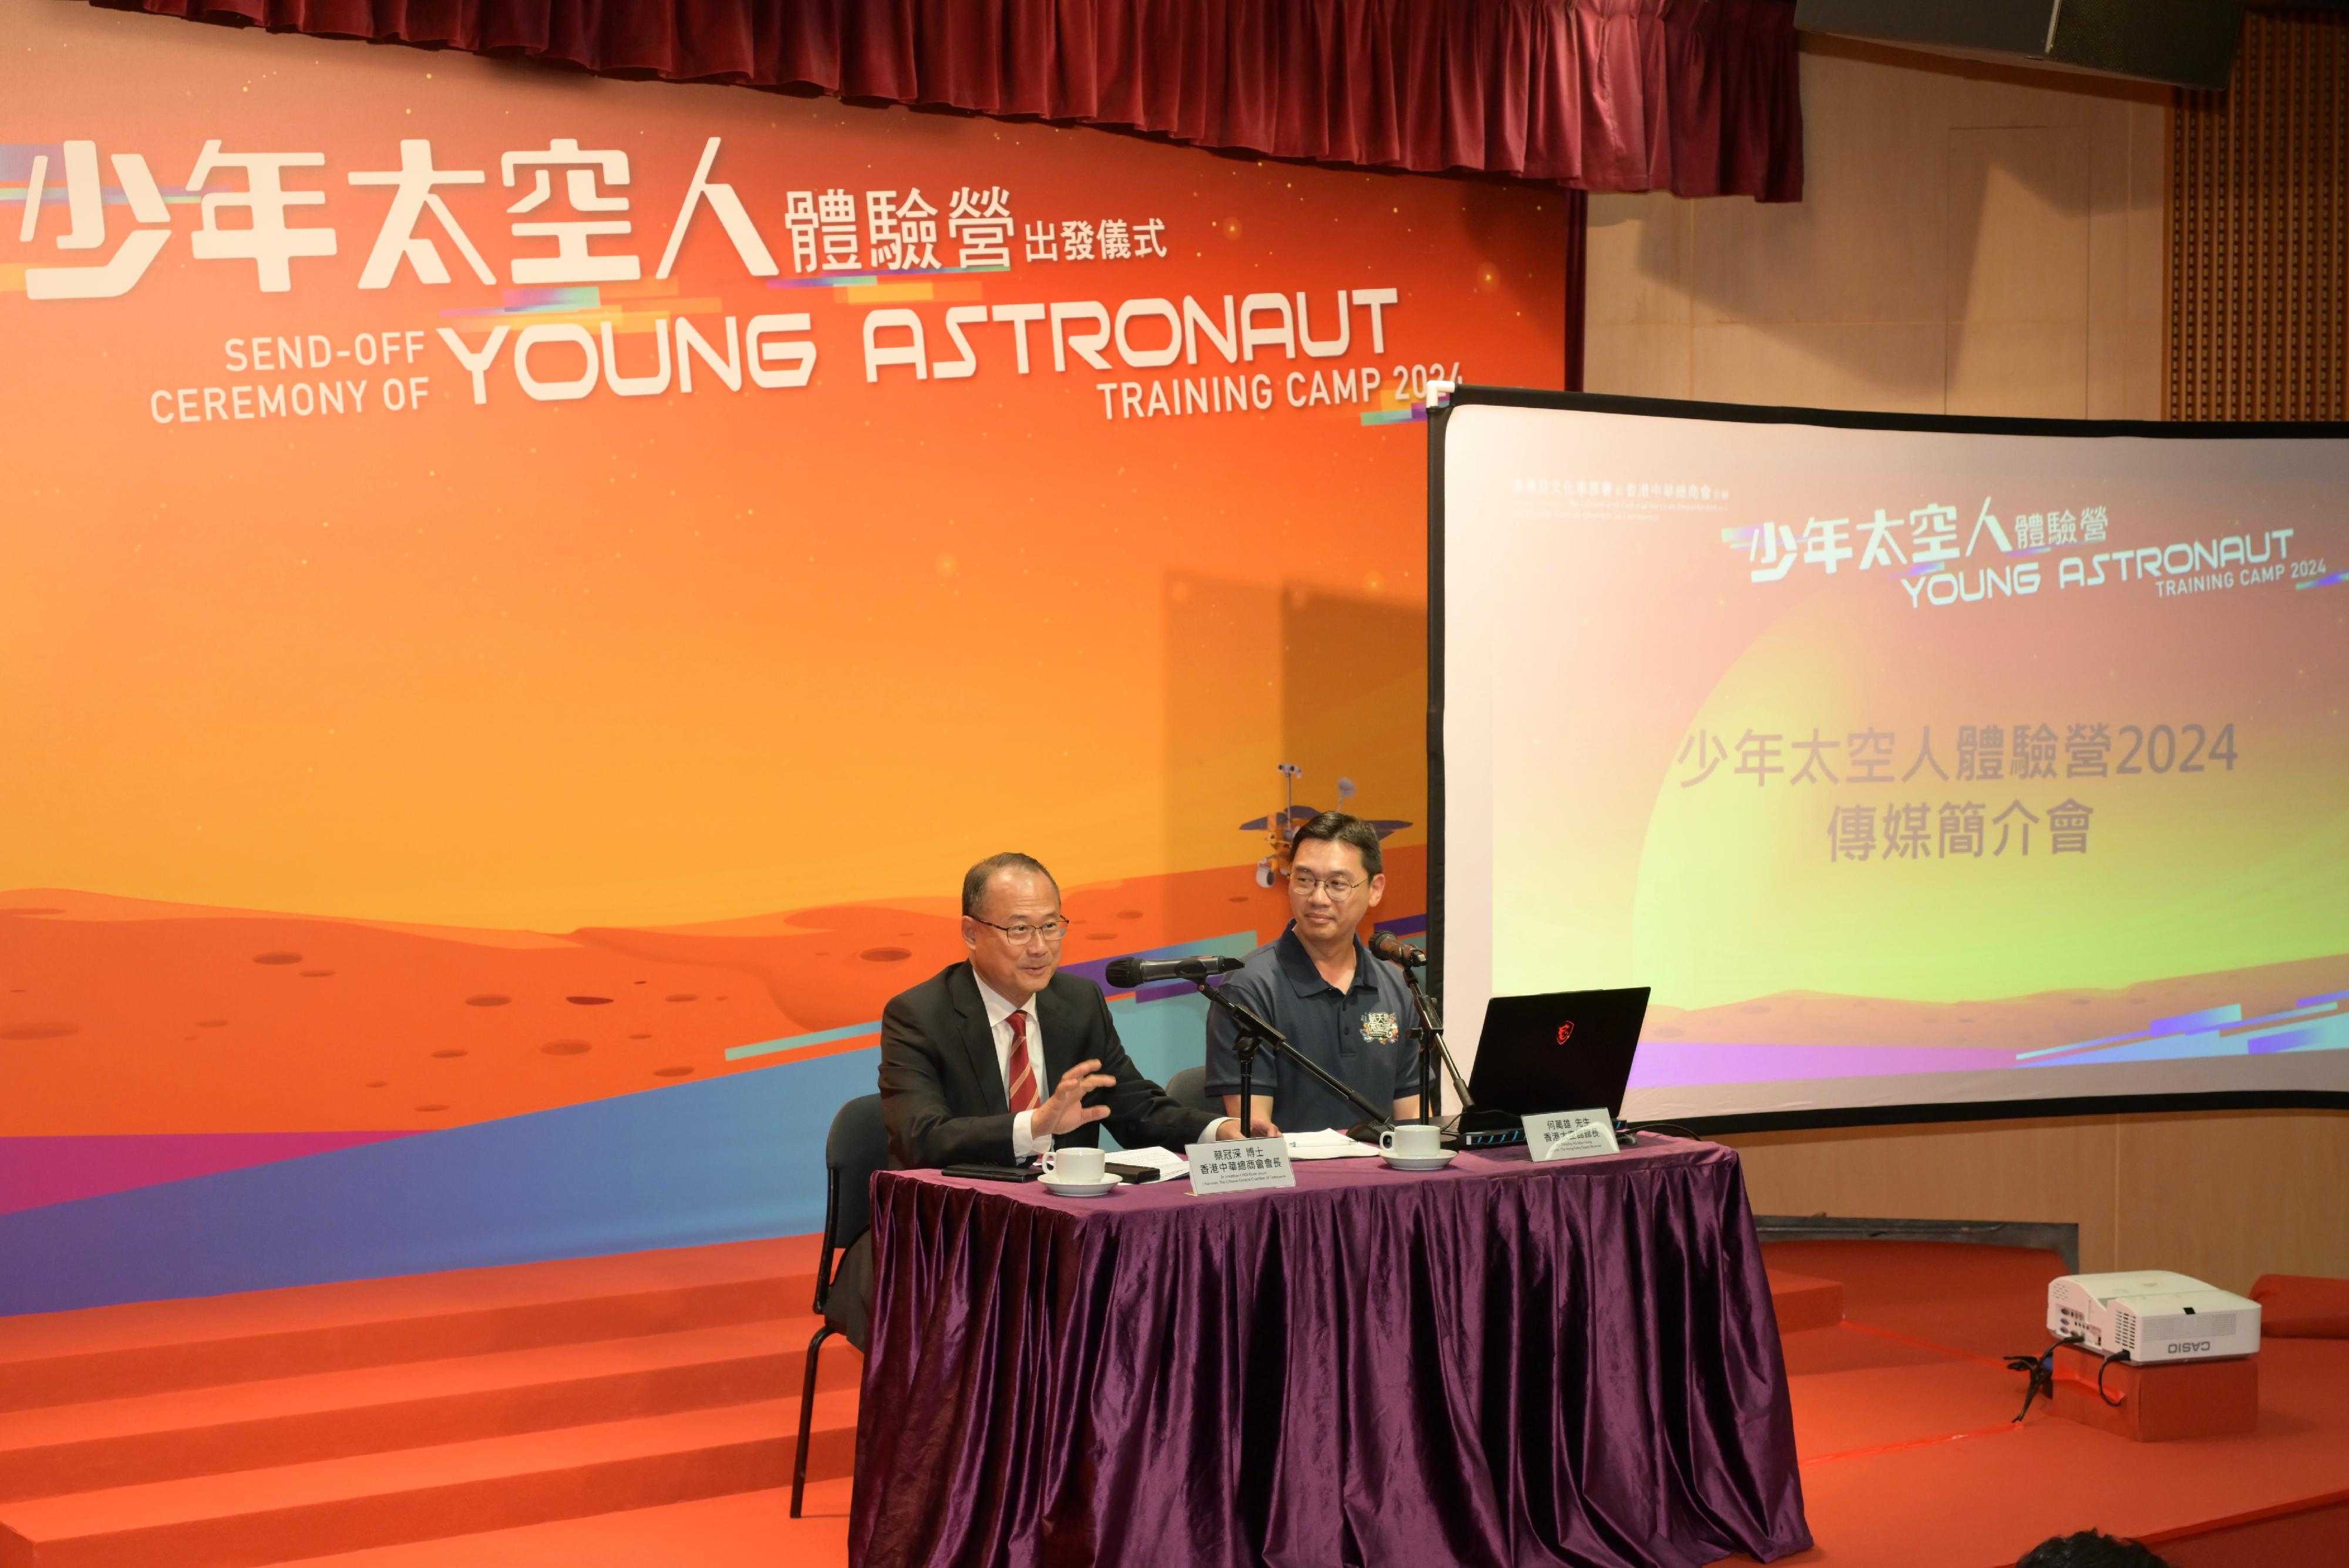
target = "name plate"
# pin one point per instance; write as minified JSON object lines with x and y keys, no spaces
{"x":1241,"y":1166}
{"x":1571,"y":1135}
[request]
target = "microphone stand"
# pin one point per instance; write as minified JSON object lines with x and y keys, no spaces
{"x":1431,"y":1047}
{"x":1249,"y":1032}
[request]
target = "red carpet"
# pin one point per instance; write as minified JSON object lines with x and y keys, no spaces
{"x":615,"y":1412}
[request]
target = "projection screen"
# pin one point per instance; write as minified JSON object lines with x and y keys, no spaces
{"x":1920,"y":766}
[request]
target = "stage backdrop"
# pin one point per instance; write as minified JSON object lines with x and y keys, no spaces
{"x":520,"y":594}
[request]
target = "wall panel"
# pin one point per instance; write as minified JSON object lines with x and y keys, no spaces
{"x":2258,"y":190}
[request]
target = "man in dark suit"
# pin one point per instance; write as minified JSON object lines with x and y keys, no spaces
{"x":966,"y":1054}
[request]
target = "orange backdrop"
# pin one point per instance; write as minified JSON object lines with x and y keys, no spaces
{"x":558,"y":699}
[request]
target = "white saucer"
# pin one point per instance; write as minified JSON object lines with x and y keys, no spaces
{"x":1066,"y":1188}
{"x":1431,"y":1162}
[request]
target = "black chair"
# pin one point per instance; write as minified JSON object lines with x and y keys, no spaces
{"x":1189,"y":1087}
{"x":857,"y":1145}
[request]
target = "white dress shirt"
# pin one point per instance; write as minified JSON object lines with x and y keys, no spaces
{"x":999,"y":1022}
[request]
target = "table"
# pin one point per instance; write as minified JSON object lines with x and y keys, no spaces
{"x":1502,"y":1364}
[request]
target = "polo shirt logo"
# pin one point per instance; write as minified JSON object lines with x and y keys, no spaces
{"x":1380,"y":1028}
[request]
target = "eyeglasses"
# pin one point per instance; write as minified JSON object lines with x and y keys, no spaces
{"x":1051,"y":930}
{"x":1305,"y":882}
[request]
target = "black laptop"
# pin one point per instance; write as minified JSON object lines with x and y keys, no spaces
{"x":1568,"y":1051}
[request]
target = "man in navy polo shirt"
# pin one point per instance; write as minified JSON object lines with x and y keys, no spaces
{"x":1319,"y":985}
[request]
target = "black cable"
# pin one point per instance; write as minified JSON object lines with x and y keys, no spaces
{"x":2109,"y":1401}
{"x":2041,"y":1368}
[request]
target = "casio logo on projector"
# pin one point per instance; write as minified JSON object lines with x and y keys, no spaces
{"x":2191,"y":1347}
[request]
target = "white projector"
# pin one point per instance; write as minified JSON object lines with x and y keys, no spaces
{"x":2152,"y":1317}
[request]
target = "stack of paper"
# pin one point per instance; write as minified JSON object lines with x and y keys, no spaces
{"x":1169,"y":1166}
{"x":1328,"y":1144}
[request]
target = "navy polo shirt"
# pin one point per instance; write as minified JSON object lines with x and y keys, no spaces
{"x":1361,"y":1036}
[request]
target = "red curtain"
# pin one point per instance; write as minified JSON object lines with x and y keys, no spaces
{"x":1696,"y":97}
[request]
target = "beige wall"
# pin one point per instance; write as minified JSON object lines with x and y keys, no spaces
{"x":2223,"y":1196}
{"x":1975,"y":240}
{"x":1972,"y":239}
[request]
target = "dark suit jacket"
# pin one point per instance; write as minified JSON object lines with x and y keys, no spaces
{"x":942,"y":1093}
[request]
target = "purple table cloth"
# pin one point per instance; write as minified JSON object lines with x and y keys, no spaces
{"x":1499,"y":1365}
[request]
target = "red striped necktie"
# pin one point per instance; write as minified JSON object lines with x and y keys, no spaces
{"x":1019,"y":1071}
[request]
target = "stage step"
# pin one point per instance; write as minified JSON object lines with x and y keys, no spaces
{"x":1803,"y":1301}
{"x":283,"y":1425}
{"x":330,"y":1415}
{"x":246,"y":1518}
{"x":742,"y":1530}
{"x":57,"y":1358}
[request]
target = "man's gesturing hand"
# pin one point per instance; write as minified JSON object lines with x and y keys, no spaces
{"x":1063,"y":1112}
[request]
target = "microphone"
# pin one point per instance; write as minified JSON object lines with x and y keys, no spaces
{"x":1394,"y":949}
{"x":1125,"y":973}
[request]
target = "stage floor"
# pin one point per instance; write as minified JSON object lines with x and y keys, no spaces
{"x":1902,"y":1416}
{"x":1902,"y":1404}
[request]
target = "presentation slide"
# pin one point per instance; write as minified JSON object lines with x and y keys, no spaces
{"x":1910,"y":763}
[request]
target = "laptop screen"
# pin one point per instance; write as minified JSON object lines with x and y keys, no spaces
{"x":1566,"y":1050}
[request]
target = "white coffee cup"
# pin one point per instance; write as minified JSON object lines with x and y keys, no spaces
{"x":1076,"y":1165}
{"x":1412,"y":1140}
